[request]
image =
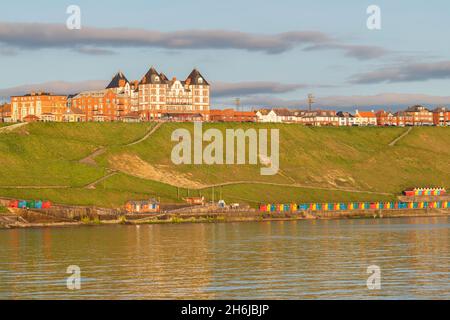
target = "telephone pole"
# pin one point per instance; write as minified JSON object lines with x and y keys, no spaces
{"x":238,"y":103}
{"x":310,"y":101}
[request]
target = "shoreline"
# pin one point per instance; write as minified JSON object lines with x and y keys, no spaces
{"x":194,"y":218}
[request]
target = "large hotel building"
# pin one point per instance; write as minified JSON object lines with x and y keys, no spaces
{"x":153,"y":97}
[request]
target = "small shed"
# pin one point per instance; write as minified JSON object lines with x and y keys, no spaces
{"x":195,"y":200}
{"x":142,"y":206}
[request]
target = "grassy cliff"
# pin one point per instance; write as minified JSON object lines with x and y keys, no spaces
{"x":42,"y":160}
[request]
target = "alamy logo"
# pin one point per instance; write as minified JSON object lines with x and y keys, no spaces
{"x":235,"y":140}
{"x":73,"y":282}
{"x":374,"y":280}
{"x":374,"y":20}
{"x":73,"y":22}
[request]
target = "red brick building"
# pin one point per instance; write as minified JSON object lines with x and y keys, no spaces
{"x":103,"y":105}
{"x":385,"y":118}
{"x":320,"y":118}
{"x":5,"y":112}
{"x":231,"y":115}
{"x":441,"y":116}
{"x":420,"y":115}
{"x":404,"y":118}
{"x":42,"y":106}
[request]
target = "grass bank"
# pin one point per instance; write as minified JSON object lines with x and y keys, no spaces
{"x":316,"y":164}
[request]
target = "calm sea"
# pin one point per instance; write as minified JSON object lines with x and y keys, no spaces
{"x":268,"y":260}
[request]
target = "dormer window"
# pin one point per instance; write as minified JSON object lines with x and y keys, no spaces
{"x":156,"y":78}
{"x":200,"y":80}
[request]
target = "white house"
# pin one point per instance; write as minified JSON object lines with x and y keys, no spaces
{"x":266,"y":115}
{"x":365,"y":118}
{"x":346,"y":119}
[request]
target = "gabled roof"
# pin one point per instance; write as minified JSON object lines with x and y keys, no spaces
{"x":319,"y":113}
{"x":283,"y":112}
{"x":416,"y":108}
{"x":441,"y":109}
{"x":116,"y":80}
{"x":366,"y":114}
{"x":194,"y":76}
{"x":344,"y":114}
{"x":264,"y":112}
{"x":5,"y":108}
{"x":151,"y":77}
{"x":163,"y":77}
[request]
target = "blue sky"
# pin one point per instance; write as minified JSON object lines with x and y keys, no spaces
{"x":414,"y":64}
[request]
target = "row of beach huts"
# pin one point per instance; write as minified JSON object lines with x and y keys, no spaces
{"x":415,"y":202}
{"x":350,"y":206}
{"x":340,"y":206}
{"x":30,"y":204}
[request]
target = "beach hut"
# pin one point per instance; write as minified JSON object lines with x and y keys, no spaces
{"x":14,"y":204}
{"x":46,"y":205}
{"x":22,"y":204}
{"x":144,"y":206}
{"x":38,"y":204}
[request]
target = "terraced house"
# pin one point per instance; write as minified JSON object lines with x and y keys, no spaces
{"x":441,"y":116}
{"x":420,"y":115}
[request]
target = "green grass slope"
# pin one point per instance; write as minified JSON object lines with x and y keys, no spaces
{"x":316,"y":164}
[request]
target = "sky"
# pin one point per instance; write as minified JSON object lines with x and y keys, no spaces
{"x":267,"y":53}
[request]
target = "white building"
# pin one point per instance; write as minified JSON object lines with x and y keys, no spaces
{"x":365,"y":118}
{"x":346,"y":119}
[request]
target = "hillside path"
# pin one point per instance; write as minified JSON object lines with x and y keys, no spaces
{"x":35,"y":187}
{"x":93,"y":184}
{"x":400,"y":137}
{"x":148,"y":134}
{"x":12,"y":127}
{"x":90,"y":159}
{"x":296,"y":185}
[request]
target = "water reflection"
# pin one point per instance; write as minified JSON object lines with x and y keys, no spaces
{"x":280,"y":260}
